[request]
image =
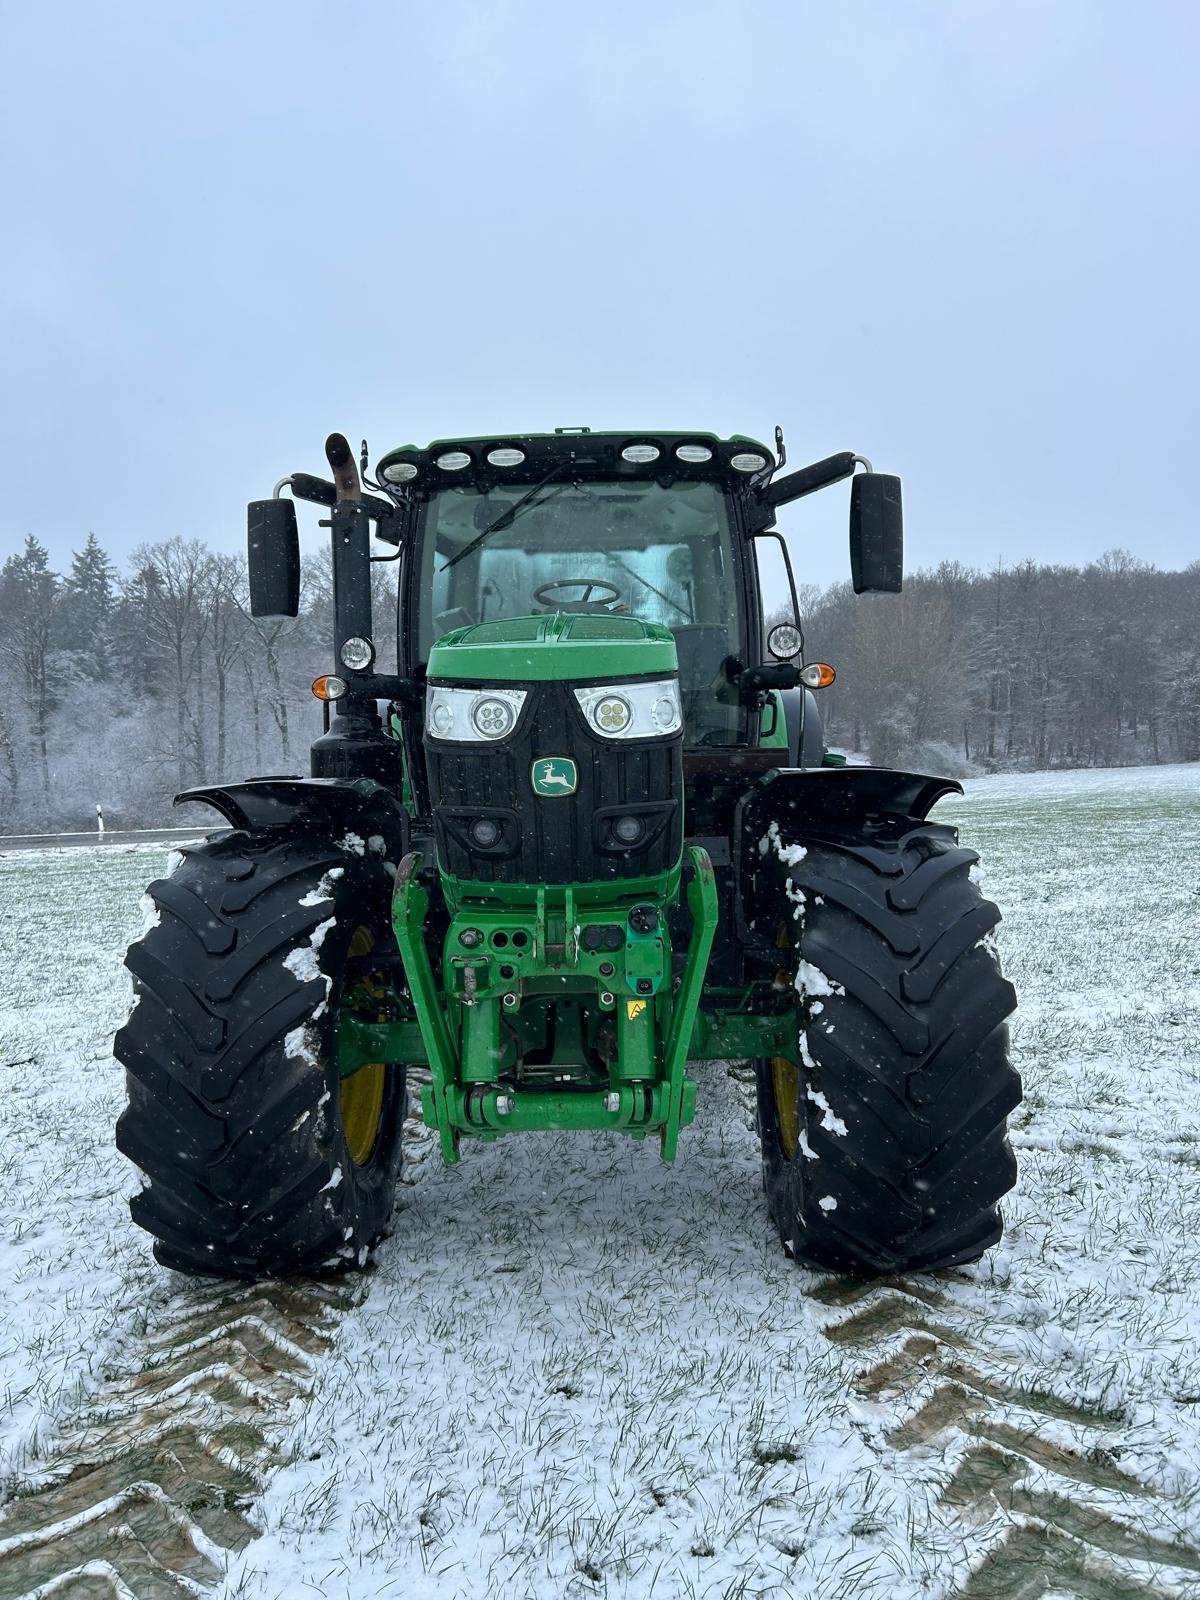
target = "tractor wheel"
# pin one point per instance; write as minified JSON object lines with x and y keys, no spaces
{"x":259,"y":1159}
{"x":884,"y":1140}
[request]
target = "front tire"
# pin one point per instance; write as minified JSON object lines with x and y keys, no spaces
{"x":884,"y":1140}
{"x":260,"y":1159}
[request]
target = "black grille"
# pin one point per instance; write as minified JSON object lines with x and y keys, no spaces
{"x":563,"y":838}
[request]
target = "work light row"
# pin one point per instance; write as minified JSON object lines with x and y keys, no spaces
{"x":616,"y":711}
{"x":637,"y":454}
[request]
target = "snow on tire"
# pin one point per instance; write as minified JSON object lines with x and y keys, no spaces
{"x":884,"y":1141}
{"x":236,"y":1112}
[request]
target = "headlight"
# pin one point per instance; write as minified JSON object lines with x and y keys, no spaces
{"x":633,"y":710}
{"x":474,"y":715}
{"x":357,"y":653}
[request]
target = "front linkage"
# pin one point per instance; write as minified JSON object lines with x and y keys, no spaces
{"x":607,"y":970}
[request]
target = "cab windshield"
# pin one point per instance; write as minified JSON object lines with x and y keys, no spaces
{"x":663,"y":554}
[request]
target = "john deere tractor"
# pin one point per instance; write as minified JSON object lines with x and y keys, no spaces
{"x":586,"y":838}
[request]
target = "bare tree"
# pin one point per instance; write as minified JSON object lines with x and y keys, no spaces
{"x":178,"y":575}
{"x":29,"y":594}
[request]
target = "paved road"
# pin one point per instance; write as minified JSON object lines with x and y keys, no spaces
{"x":91,"y":840}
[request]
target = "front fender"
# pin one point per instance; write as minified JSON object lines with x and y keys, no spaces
{"x":330,"y":806}
{"x":804,"y":798}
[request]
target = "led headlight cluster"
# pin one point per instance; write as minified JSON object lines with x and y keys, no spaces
{"x":633,"y":710}
{"x":472,"y":715}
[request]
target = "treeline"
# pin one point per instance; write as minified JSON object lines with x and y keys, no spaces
{"x":120,"y":688}
{"x":1023,"y":667}
{"x":117,"y":688}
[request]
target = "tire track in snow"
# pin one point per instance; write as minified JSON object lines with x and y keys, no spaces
{"x":1038,"y":1493}
{"x":149,"y":1496}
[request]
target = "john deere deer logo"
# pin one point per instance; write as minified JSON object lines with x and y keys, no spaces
{"x":554,"y":775}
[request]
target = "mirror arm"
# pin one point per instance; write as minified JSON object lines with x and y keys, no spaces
{"x":807,"y":480}
{"x":774,"y":533}
{"x":771,"y":675}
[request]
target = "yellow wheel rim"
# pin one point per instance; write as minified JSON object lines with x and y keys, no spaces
{"x":362,"y":1107}
{"x":361,"y":1098}
{"x":785,"y":1079}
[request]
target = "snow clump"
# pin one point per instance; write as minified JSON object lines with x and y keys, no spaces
{"x":830,"y":1120}
{"x":790,"y":854}
{"x":324,"y":889}
{"x":811,"y":980}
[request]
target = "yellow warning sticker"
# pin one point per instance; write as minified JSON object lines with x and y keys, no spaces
{"x":634,"y":1008}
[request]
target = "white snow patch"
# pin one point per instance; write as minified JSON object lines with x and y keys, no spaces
{"x":827,"y":1203}
{"x":811,"y":980}
{"x":377,"y":844}
{"x":353,"y":843}
{"x":151,"y":915}
{"x":324,"y":890}
{"x":790,"y":854}
{"x":830,"y":1120}
{"x":302,"y":962}
{"x":334,"y":1180}
{"x":298,"y":1044}
{"x":174,"y":861}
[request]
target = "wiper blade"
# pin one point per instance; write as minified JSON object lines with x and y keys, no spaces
{"x":508,"y":517}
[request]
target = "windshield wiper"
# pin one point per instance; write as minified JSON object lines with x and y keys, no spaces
{"x":508,"y":517}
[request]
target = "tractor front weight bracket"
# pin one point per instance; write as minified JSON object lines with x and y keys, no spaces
{"x":458,"y":1018}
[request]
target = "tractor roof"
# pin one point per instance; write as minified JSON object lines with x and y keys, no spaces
{"x":528,"y":457}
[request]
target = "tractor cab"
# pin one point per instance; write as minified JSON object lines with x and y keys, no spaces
{"x":594,"y":525}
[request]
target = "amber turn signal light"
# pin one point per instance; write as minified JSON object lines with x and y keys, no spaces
{"x":329,"y":687}
{"x":817,"y":675}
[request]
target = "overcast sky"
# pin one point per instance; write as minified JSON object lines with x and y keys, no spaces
{"x":959,"y":238}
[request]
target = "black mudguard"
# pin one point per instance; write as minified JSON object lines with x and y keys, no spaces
{"x":803,"y":801}
{"x":805,"y":730}
{"x":325,"y":806}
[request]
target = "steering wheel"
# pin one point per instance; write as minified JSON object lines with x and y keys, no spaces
{"x":544,"y":594}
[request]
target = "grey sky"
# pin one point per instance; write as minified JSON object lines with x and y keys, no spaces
{"x":959,"y":238}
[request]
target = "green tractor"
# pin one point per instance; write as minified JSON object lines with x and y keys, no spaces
{"x":585,"y":837}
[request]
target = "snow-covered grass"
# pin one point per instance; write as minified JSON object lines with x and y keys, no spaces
{"x":77,"y":1281}
{"x":577,"y":1372}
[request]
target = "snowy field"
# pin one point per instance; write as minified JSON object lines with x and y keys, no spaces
{"x":575,"y":1372}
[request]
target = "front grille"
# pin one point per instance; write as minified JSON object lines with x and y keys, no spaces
{"x":562,"y":838}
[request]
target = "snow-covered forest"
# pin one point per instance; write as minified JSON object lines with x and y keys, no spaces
{"x":1023,"y":667}
{"x":119,"y":687}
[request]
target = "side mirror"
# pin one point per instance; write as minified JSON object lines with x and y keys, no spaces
{"x":876,"y":534}
{"x":273,"y":558}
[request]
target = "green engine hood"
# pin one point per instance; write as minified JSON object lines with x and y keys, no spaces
{"x":557,"y":647}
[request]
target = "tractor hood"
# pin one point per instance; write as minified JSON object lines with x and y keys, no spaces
{"x":554,"y":647}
